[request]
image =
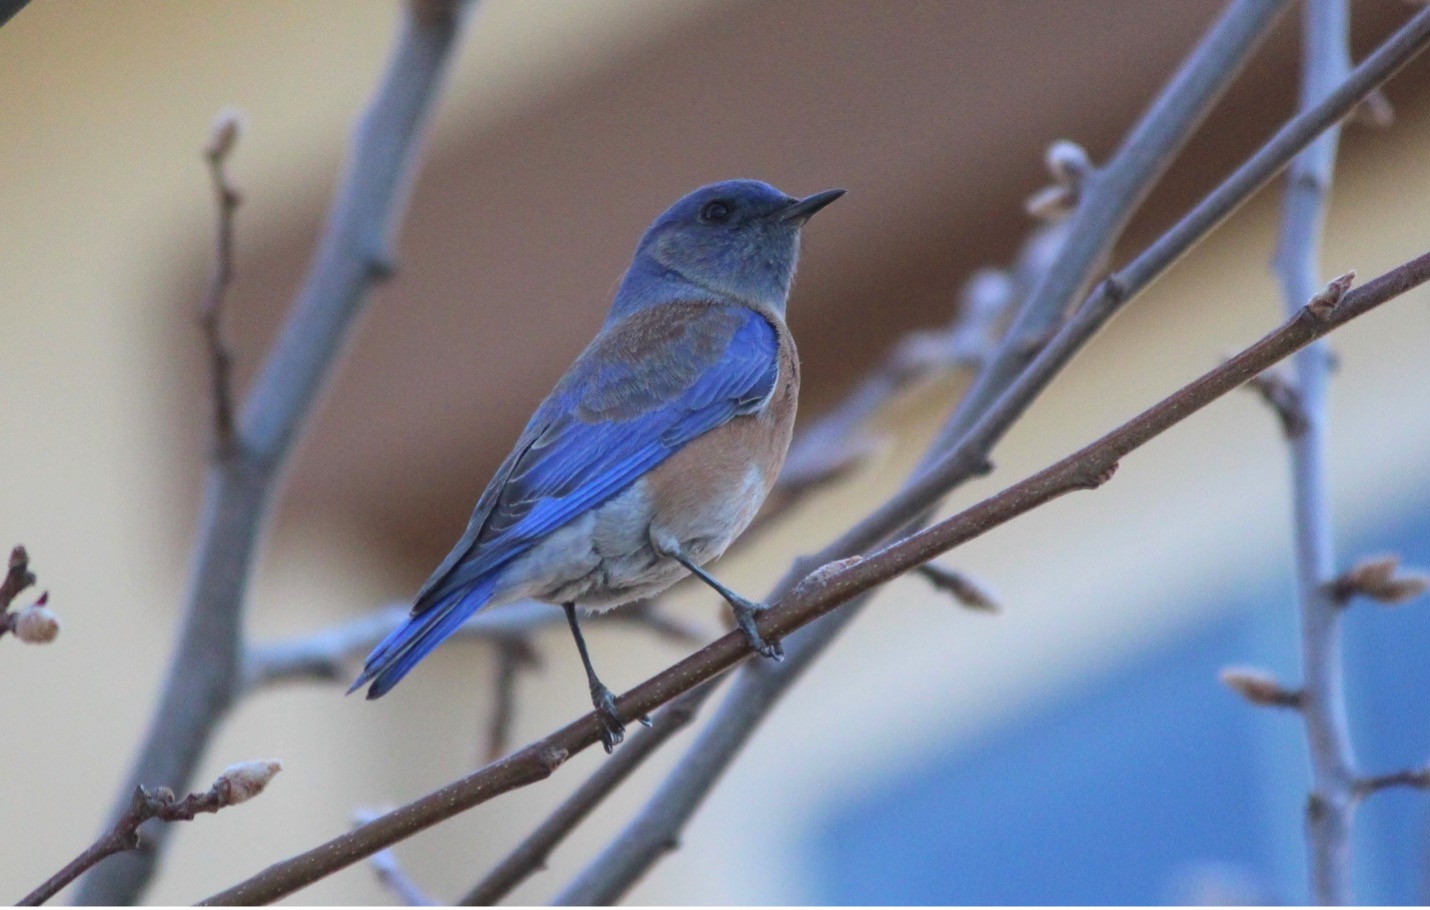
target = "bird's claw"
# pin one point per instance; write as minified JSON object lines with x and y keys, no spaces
{"x":612,"y":729}
{"x":745,"y":619}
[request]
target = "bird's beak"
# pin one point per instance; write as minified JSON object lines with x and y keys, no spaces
{"x":801,"y":210}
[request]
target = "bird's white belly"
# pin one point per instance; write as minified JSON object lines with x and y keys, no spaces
{"x":607,"y":556}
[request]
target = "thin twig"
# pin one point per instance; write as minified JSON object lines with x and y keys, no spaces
{"x":963,"y":589}
{"x":512,"y":654}
{"x":237,"y":784}
{"x":1414,"y":778}
{"x":18,"y":577}
{"x":1325,"y":63}
{"x":531,"y":854}
{"x":821,"y":592}
{"x":223,"y":137}
{"x":205,"y":675}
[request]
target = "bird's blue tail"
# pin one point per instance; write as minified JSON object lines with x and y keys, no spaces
{"x":401,"y":650}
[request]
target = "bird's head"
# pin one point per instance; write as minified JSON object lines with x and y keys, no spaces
{"x":735,"y":240}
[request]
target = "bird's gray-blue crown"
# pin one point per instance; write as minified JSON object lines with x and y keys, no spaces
{"x":737,"y":240}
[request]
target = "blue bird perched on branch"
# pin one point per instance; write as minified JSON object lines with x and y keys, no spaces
{"x":656,"y":448}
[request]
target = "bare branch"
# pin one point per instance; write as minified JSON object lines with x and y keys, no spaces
{"x":205,"y":675}
{"x":512,"y":655}
{"x":223,"y":136}
{"x":326,"y":655}
{"x":1415,"y":778}
{"x":531,"y":854}
{"x":818,"y":595}
{"x":237,"y":784}
{"x":1325,"y":64}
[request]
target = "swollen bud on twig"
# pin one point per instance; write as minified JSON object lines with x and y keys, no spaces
{"x":1259,"y":687}
{"x":224,"y":134}
{"x":1380,"y":579}
{"x":1323,"y":304}
{"x":1070,"y":167}
{"x":1068,"y":163}
{"x":245,"y":780}
{"x":36,"y":624}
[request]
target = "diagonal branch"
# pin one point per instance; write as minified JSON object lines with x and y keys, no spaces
{"x":824,"y":590}
{"x":205,"y":675}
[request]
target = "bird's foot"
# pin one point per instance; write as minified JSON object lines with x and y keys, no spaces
{"x":612,"y":730}
{"x":745,"y":613}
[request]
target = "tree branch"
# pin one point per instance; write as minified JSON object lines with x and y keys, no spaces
{"x":222,"y":138}
{"x":1321,"y":699}
{"x":237,"y":784}
{"x":205,"y":673}
{"x":530,"y":855}
{"x":821,"y":592}
{"x":325,"y":655}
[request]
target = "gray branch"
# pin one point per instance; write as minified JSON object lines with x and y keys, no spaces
{"x":205,"y":675}
{"x":328,"y":654}
{"x":1325,"y":63}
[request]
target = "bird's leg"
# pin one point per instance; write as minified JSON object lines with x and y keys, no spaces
{"x":612,"y":730}
{"x":744,"y":608}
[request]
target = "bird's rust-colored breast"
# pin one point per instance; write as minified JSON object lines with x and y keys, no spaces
{"x":731,"y":469}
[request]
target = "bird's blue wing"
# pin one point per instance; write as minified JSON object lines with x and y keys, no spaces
{"x":643,"y":389}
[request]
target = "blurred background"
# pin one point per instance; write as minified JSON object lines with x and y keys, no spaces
{"x":1075,"y":748}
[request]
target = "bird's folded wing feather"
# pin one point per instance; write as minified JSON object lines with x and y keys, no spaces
{"x":640,"y":391}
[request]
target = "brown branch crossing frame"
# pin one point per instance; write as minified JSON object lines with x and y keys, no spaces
{"x":824,"y":590}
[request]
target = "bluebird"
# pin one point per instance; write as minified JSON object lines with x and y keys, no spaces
{"x":656,"y":448}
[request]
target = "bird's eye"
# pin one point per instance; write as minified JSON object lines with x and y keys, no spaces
{"x":715,"y":212}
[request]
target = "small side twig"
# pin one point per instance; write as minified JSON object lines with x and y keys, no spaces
{"x":223,"y":137}
{"x":1277,"y":390}
{"x":513,"y":653}
{"x":1414,"y":778}
{"x":18,"y":577}
{"x":1378,"y":578}
{"x":965,"y":590}
{"x":238,"y":783}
